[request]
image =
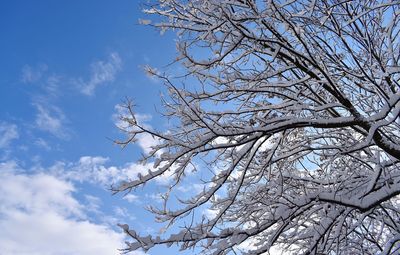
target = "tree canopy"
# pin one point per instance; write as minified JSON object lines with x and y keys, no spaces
{"x":295,"y":106}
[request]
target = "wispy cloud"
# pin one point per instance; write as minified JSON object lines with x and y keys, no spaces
{"x":123,"y":213}
{"x":40,"y":142}
{"x":52,"y":85}
{"x":51,"y":119}
{"x":8,"y":132}
{"x":131,"y":198}
{"x":102,"y":72}
{"x":32,"y":74}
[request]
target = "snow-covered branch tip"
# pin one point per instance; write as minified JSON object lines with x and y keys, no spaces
{"x":289,"y":111}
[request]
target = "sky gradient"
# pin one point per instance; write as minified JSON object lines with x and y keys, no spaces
{"x":66,"y":66}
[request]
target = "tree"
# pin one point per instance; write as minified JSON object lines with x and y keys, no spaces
{"x":295,"y":106}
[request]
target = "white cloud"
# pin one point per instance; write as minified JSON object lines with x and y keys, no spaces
{"x":152,"y":73}
{"x":249,"y":244}
{"x":122,"y":113}
{"x":123,"y":213}
{"x":51,"y":119}
{"x":195,"y":187}
{"x":210,"y":213}
{"x":130,"y":198}
{"x":52,"y":85}
{"x":33,"y":74}
{"x":39,"y":215}
{"x":145,"y":141}
{"x":8,"y":132}
{"x":95,"y":170}
{"x":92,"y":203}
{"x":143,"y":118}
{"x":102,"y":72}
{"x":40,"y":142}
{"x":156,"y":197}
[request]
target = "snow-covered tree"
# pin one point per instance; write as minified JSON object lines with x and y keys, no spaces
{"x":292,"y":108}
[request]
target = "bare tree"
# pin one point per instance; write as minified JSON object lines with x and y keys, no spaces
{"x":295,"y":106}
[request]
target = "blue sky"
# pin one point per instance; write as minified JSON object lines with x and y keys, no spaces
{"x":65,"y":67}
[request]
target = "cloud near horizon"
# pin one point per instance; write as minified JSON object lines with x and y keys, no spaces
{"x":39,"y":215}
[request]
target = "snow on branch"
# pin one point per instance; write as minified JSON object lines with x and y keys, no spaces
{"x":290,"y":112}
